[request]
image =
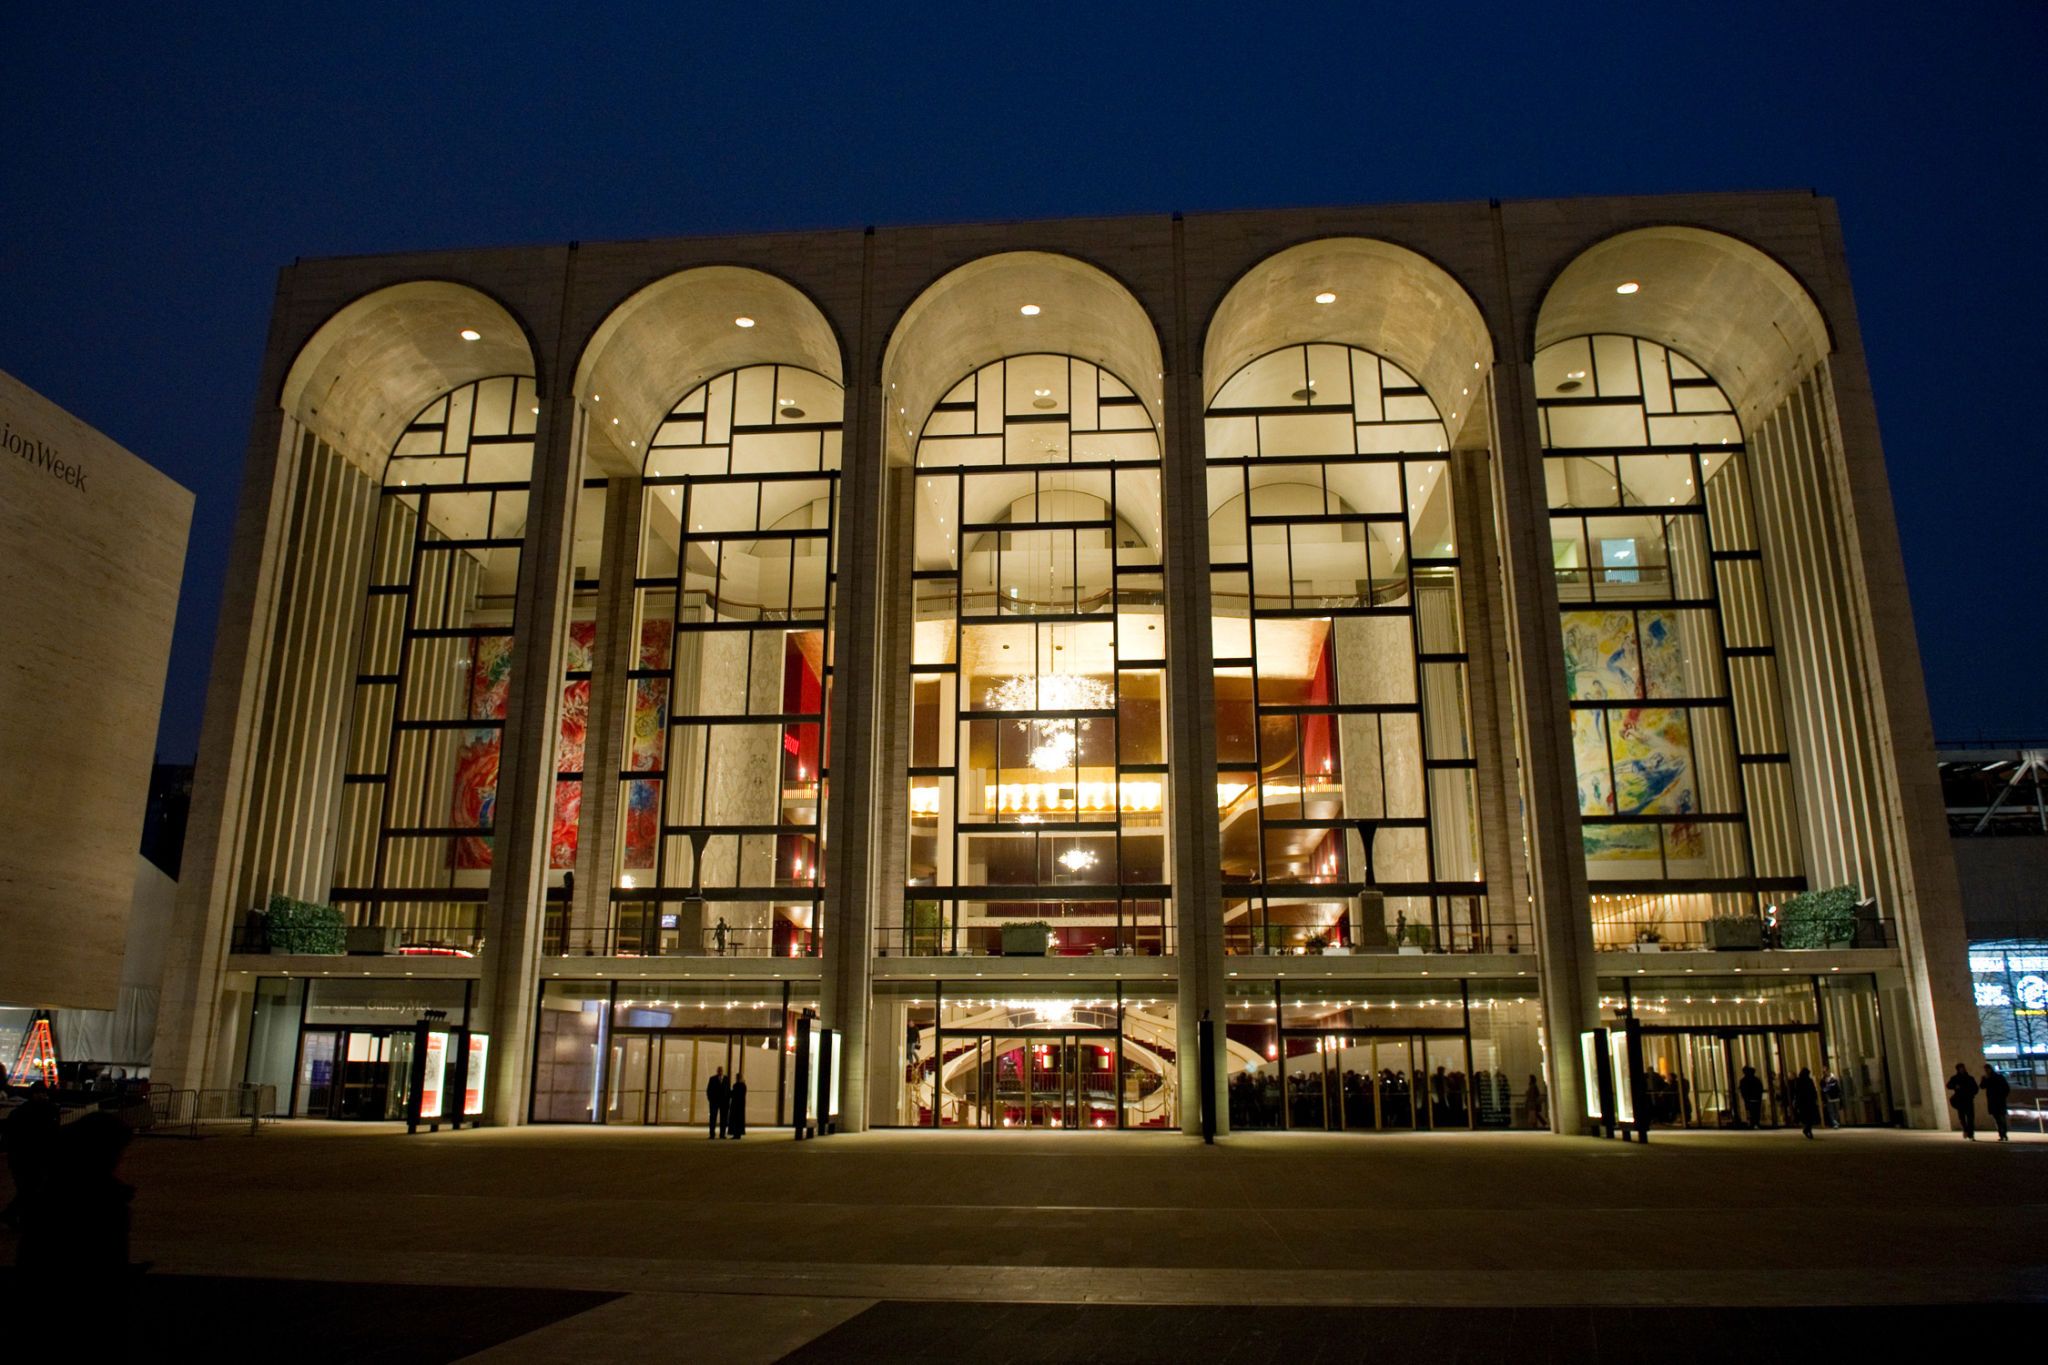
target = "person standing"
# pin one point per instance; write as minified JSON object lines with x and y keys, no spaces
{"x":31,"y":1137}
{"x":1962,"y":1095}
{"x":1806,"y":1101}
{"x":716,"y":1094}
{"x":736,"y":1107}
{"x":1996,"y":1089}
{"x":1751,"y":1088}
{"x":1831,"y":1096}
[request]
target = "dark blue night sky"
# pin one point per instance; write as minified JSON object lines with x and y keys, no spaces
{"x":161,"y":163}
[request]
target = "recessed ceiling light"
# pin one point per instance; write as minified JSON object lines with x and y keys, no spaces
{"x":1326,"y":297}
{"x":1041,"y":393}
{"x":1029,"y":310}
{"x":472,"y":334}
{"x":1627,"y":287}
{"x":743,"y":322}
{"x":1576,"y":374}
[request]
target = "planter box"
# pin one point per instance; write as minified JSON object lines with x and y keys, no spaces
{"x":1411,"y":950}
{"x":1646,"y":947}
{"x":1336,"y":952}
{"x":372,"y":941}
{"x":1026,"y":940}
{"x":1735,"y":935}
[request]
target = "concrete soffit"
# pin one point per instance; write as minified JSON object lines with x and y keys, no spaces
{"x":370,"y":369}
{"x":1727,"y":306}
{"x":1388,"y":300}
{"x":682,"y":330}
{"x":975,"y":315}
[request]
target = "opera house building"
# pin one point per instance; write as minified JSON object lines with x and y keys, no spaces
{"x":1412,"y":639}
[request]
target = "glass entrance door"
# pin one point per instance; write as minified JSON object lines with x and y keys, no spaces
{"x":1694,"y":1078}
{"x":353,"y":1074}
{"x":659,"y":1077}
{"x":1064,"y":1079}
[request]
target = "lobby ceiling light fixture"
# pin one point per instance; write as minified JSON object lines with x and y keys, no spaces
{"x":1077,"y":859}
{"x":1058,"y":739}
{"x":743,"y":322}
{"x":1326,"y":297}
{"x":472,"y":334}
{"x":1029,"y":310}
{"x":1627,"y":287}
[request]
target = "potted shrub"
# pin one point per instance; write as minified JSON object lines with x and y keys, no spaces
{"x":1318,"y":943}
{"x":1026,"y":940}
{"x":1415,"y":939}
{"x":1649,"y":941}
{"x":304,"y":928}
{"x":1819,"y":919}
{"x":1735,"y":933}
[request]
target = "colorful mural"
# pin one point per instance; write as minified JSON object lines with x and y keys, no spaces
{"x":647,"y":729}
{"x":1635,"y":760}
{"x":476,"y":761}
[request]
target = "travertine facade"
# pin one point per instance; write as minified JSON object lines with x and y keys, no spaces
{"x":92,"y":550}
{"x":749,"y":436}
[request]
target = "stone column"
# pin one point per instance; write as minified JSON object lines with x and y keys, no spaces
{"x":852,"y":797}
{"x":1489,"y":687}
{"x":615,"y":651}
{"x":1550,"y":805}
{"x":189,"y":1016}
{"x":506,"y":995}
{"x":1195,"y":855}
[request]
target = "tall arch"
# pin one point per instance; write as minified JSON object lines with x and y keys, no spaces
{"x":709,"y":407}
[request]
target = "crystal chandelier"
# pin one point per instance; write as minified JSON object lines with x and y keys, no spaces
{"x":1058,"y":740}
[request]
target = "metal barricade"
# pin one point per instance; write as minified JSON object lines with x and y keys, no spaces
{"x":181,"y":1113}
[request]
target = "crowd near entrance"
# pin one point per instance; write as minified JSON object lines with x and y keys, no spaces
{"x":1372,"y":1081}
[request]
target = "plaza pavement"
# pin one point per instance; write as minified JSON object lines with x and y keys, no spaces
{"x":750,"y":1250}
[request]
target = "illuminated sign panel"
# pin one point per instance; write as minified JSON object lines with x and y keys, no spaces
{"x":434,"y":1077}
{"x":473,"y":1079}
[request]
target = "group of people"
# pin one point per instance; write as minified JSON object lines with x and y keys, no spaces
{"x":1963,"y":1089}
{"x":1407,"y":1099}
{"x":728,"y":1101}
{"x":70,"y":1209}
{"x":1810,"y":1102}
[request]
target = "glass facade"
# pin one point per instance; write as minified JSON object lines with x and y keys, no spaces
{"x":724,"y":752}
{"x":1037,"y":765}
{"x":1684,"y":769}
{"x":420,"y":788}
{"x":1345,"y":781}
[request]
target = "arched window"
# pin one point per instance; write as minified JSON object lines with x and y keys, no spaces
{"x":421,"y":781}
{"x":725,"y":755}
{"x":1345,"y":772}
{"x":1670,"y":669}
{"x":1037,"y":709}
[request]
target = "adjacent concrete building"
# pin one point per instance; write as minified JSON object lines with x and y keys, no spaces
{"x":1409,"y":637}
{"x":92,"y":552}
